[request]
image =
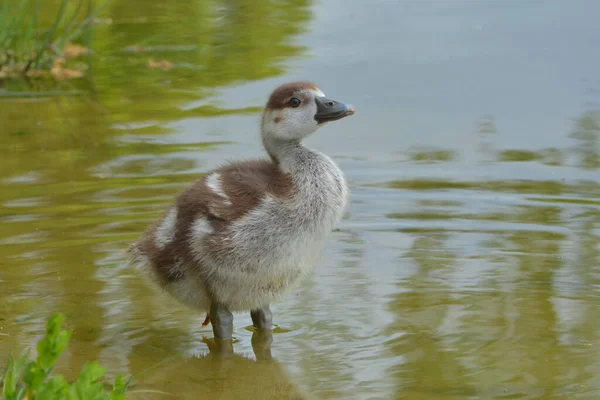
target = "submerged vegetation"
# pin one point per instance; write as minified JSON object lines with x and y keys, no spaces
{"x":31,"y":45}
{"x":31,"y":379}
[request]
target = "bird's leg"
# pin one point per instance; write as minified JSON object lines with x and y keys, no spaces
{"x":222,"y":321}
{"x":206,"y":320}
{"x":262,"y":318}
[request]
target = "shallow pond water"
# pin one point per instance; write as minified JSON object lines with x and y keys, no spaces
{"x":467,"y":267}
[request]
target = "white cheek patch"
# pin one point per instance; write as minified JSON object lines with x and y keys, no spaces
{"x":299,"y":122}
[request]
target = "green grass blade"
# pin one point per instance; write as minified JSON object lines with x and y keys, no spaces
{"x":70,"y":24}
{"x":36,"y":11}
{"x":12,"y":29}
{"x":28,"y":38}
{"x":49,"y":35}
{"x":87,"y":22}
{"x":4,"y":14}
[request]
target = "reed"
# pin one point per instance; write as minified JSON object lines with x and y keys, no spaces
{"x":34,"y":47}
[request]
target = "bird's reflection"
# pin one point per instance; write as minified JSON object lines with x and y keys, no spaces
{"x":223,"y":374}
{"x":261,"y":346}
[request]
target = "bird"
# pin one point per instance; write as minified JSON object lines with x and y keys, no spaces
{"x":247,"y":232}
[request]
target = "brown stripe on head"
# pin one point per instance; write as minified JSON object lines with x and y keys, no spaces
{"x":280,"y":97}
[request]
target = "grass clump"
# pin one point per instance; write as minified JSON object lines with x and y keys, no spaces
{"x":31,"y":46}
{"x":30,"y":379}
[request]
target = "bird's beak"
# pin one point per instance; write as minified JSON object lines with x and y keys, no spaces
{"x":331,"y":110}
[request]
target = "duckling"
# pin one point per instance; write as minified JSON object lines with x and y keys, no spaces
{"x":247,"y":232}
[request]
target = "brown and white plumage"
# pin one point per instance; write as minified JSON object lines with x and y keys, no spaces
{"x":246,"y":232}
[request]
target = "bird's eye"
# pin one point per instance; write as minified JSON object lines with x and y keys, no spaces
{"x":294,"y":102}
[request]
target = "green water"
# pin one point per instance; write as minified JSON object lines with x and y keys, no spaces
{"x":468,"y":266}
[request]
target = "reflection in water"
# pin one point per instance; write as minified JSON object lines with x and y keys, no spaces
{"x":425,"y":309}
{"x":493,"y":323}
{"x":486,"y":130}
{"x":464,"y":270}
{"x":587,"y":134}
{"x":224,"y":377}
{"x":431,"y":155}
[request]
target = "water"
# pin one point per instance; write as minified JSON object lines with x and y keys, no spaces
{"x":467,"y":266}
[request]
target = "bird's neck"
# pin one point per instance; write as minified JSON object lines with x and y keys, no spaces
{"x":289,"y":154}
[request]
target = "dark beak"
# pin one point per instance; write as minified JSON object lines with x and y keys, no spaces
{"x":331,"y":110}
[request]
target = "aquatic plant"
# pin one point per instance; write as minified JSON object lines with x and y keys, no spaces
{"x":30,"y":379}
{"x":32,"y":46}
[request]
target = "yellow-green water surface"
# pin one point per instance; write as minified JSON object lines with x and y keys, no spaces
{"x":467,"y":267}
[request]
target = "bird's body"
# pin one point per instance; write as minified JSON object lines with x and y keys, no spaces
{"x":244,"y":234}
